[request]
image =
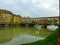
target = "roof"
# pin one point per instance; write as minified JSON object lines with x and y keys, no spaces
{"x":50,"y":17}
{"x":5,"y":11}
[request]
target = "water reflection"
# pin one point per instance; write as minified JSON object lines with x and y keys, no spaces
{"x":52,"y":27}
{"x":20,"y":35}
{"x":23,"y":39}
{"x":7,"y":34}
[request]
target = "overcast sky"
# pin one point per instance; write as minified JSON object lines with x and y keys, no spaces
{"x":32,"y":8}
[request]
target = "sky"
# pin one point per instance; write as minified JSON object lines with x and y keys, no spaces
{"x":31,"y":8}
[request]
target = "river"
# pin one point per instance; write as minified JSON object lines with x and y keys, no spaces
{"x":21,"y":35}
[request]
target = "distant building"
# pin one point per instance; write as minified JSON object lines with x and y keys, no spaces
{"x":7,"y":17}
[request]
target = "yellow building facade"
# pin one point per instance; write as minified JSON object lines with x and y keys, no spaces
{"x":5,"y":17}
{"x":17,"y":19}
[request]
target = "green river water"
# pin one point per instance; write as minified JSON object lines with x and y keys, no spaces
{"x":20,"y":35}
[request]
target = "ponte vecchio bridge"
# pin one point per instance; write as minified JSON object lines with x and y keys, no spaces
{"x":44,"y":20}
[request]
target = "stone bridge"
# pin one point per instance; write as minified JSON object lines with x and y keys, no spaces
{"x":44,"y":21}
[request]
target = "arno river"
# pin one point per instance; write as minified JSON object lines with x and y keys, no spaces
{"x":21,"y":35}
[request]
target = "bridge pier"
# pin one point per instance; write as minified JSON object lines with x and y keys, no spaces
{"x":44,"y":26}
{"x":59,"y":26}
{"x":2,"y":25}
